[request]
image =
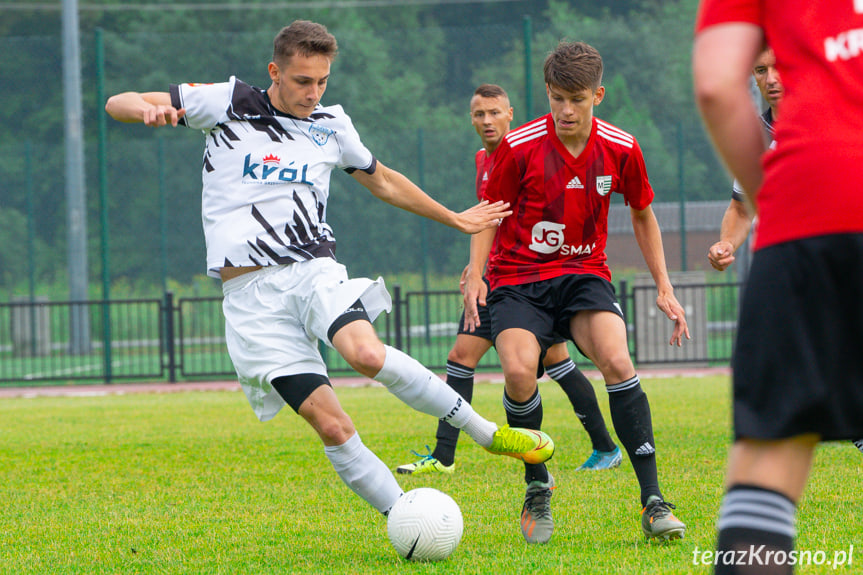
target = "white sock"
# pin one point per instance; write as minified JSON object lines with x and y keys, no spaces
{"x":480,"y":429}
{"x":414,"y":384}
{"x":364,"y":473}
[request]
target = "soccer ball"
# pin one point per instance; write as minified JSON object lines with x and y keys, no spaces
{"x":425,"y":525}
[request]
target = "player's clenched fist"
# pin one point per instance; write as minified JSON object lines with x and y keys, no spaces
{"x":162,"y":116}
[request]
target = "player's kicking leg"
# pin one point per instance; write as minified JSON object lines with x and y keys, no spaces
{"x":418,"y":387}
{"x":460,"y":365}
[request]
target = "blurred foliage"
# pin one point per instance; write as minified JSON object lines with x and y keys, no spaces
{"x":405,"y":74}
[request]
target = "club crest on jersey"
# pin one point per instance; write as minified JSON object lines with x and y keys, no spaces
{"x":320,"y":134}
{"x":603,"y":185}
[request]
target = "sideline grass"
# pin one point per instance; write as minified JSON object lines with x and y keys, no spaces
{"x":192,"y":483}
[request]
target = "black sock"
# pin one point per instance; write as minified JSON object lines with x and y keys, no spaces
{"x":460,"y":378}
{"x":583,"y":399}
{"x":630,"y":414}
{"x":529,"y":415}
{"x":756,"y":532}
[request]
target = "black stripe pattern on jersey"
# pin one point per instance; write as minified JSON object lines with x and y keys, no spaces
{"x":297,"y":244}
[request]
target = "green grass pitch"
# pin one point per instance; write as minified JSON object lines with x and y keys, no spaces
{"x":193,"y":483}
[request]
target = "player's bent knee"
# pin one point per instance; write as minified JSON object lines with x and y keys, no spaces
{"x":334,"y":430}
{"x":520,"y":383}
{"x":468,"y":350}
{"x":463,"y":357}
{"x":367,"y":357}
{"x":615,"y":368}
{"x":521,"y":373}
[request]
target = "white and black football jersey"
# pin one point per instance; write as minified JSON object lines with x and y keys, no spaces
{"x":266,"y":174}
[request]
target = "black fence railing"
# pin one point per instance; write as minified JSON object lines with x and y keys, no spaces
{"x":168,"y":339}
{"x":50,"y":341}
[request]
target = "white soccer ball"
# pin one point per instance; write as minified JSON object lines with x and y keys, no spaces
{"x":425,"y":525}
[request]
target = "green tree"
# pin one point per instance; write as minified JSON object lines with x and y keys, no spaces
{"x":402,"y":70}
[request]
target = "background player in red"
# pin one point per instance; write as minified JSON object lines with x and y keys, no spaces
{"x":491,"y":115}
{"x":798,"y":370}
{"x":548,"y":273}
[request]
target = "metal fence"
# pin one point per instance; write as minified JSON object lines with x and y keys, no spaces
{"x":168,"y":339}
{"x":38,"y":341}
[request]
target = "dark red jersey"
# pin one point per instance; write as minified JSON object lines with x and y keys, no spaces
{"x":560,"y":203}
{"x":484,"y":162}
{"x":813,"y":179}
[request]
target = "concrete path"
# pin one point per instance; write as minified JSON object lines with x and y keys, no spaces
{"x":121,"y":388}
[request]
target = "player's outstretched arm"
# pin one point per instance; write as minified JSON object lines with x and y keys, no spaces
{"x":474,"y":288}
{"x":649,"y":238}
{"x":397,"y":190}
{"x":735,"y":227}
{"x":150,"y":108}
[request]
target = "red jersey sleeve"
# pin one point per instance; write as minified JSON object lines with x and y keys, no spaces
{"x":634,"y":185}
{"x":504,"y":179}
{"x":481,"y":174}
{"x":712,"y":12}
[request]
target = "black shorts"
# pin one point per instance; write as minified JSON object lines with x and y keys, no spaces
{"x":798,"y":362}
{"x":546,"y":307}
{"x":484,"y":329}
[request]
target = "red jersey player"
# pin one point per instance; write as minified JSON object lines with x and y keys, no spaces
{"x":548,"y":276}
{"x":491,"y":115}
{"x":801,"y":381}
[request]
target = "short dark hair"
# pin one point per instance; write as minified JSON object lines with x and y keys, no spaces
{"x":304,"y":38}
{"x":490,"y":91}
{"x":573,"y":66}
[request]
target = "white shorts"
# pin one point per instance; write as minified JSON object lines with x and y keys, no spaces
{"x":275,"y":316}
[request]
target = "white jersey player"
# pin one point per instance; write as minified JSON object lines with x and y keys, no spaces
{"x":282,"y":165}
{"x":266,"y":170}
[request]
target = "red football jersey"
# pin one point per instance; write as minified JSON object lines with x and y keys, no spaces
{"x":813,"y":180}
{"x":484,"y":162}
{"x":560,"y":203}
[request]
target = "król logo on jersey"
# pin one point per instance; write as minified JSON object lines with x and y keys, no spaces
{"x":320,"y":133}
{"x":603,"y":185}
{"x":548,"y":238}
{"x":270,"y":171}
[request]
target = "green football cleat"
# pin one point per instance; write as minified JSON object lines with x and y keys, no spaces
{"x":426,"y":464}
{"x":536,"y":522}
{"x":529,"y":445}
{"x":657,"y":520}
